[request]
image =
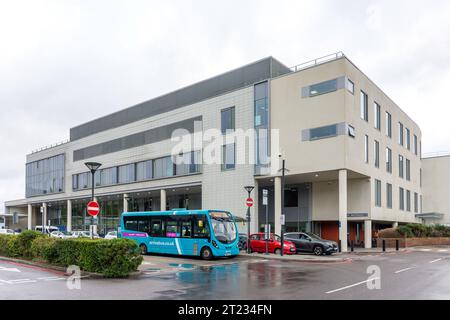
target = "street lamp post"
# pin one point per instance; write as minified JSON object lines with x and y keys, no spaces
{"x":249,"y":190}
{"x":93,"y":167}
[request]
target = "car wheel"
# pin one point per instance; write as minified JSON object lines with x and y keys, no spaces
{"x":277,"y":251}
{"x":318,"y":251}
{"x":143,"y":248}
{"x":206,"y":253}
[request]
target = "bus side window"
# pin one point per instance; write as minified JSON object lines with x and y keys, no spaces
{"x":143,"y":224}
{"x":201,"y":229}
{"x":186,"y":228}
{"x":131,"y":223}
{"x":156,"y":228}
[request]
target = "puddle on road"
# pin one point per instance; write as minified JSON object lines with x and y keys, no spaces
{"x":182,"y":265}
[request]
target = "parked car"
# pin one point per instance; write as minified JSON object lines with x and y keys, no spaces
{"x":61,"y":234}
{"x":111,"y":235}
{"x":309,"y":242}
{"x":242,"y":244}
{"x":84,"y":234}
{"x":7,"y":231}
{"x":48,"y":229}
{"x":258,"y":244}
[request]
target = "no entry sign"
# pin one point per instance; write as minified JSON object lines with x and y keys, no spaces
{"x":93,"y":208}
{"x":249,"y":202}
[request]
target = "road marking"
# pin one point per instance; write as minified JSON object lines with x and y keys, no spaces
{"x":443,"y":250}
{"x":353,"y":285}
{"x":436,"y":260}
{"x":51,"y":278}
{"x":9,"y":269}
{"x":403,"y":270}
{"x":425,"y":250}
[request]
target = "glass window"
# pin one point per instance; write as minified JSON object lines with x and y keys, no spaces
{"x":416,"y":202}
{"x":127,"y":173}
{"x":144,"y":170}
{"x":323,"y":87}
{"x":378,"y":193}
{"x":364,"y":105}
{"x":131,"y":223}
{"x":187,"y":163}
{"x":408,"y":200}
{"x":408,"y":139}
{"x":45,"y":176}
{"x":415,"y":145}
{"x":172,"y":230}
{"x":377,"y":115}
{"x":186,"y":229}
{"x":388,"y":125}
{"x":400,"y":166}
{"x":323,"y":132}
{"x":291,"y":198}
{"x":389,"y":195}
{"x":75,"y":182}
{"x":261,"y":105}
{"x":376,"y":150}
{"x":366,"y":148}
{"x":408,"y":170}
{"x":163,"y":167}
{"x":400,"y":133}
{"x":227,"y":118}
{"x":201,"y":228}
{"x":388,"y":160}
{"x":401,"y":198}
{"x":228,"y":156}
{"x":108,"y":176}
{"x":156,"y":229}
{"x":350,"y":86}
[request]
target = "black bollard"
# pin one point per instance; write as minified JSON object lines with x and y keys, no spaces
{"x":384,"y":245}
{"x":352,"y":246}
{"x":397,"y":245}
{"x":340,"y":248}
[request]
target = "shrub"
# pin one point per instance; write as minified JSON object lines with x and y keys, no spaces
{"x":389,"y":233}
{"x":24,"y":241}
{"x":405,"y":231}
{"x":4,"y":244}
{"x":113,"y":258}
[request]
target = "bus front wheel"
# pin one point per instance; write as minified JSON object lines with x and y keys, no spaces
{"x":143,"y":249}
{"x":206,"y":253}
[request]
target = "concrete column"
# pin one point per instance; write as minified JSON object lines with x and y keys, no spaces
{"x":44,"y":205}
{"x":30,"y":217}
{"x":163,"y":200}
{"x":343,"y":209}
{"x":278,"y":205}
{"x":368,"y":234}
{"x":69,"y":215}
{"x":125,"y":202}
{"x":395,"y":225}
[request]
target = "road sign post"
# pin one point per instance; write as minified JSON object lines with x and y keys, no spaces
{"x":265,"y":203}
{"x":93,"y":209}
{"x":249,"y":203}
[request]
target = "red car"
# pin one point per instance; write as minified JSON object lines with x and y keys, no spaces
{"x":258,"y":244}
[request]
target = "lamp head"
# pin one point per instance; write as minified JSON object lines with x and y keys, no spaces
{"x":93,"y":166}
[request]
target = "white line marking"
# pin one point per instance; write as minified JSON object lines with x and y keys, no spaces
{"x":353,"y":285}
{"x":18,"y":280}
{"x":403,"y":270}
{"x":443,"y":250}
{"x":424,"y":249}
{"x":436,"y":260}
{"x":24,"y":281}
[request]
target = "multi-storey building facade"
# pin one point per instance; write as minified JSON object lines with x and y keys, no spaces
{"x":353,"y":155}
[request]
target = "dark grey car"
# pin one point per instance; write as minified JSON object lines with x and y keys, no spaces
{"x":309,"y":242}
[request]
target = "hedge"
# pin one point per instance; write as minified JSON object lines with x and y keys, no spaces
{"x":112,"y":258}
{"x":416,"y":230}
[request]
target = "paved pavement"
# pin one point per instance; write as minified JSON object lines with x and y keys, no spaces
{"x":412,"y":274}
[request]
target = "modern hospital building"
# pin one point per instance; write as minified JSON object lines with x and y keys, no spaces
{"x":353,"y":156}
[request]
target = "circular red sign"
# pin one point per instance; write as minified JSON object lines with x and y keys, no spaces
{"x":249,"y":202}
{"x":93,"y":208}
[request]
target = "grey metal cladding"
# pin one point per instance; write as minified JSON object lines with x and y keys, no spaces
{"x":232,"y":80}
{"x":134,"y":140}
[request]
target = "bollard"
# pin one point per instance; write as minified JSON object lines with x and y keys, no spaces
{"x":352,"y":246}
{"x":384,"y":245}
{"x":340,"y":248}
{"x":397,"y":245}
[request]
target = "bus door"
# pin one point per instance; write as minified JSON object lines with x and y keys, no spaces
{"x":200,"y":233}
{"x":156,"y":234}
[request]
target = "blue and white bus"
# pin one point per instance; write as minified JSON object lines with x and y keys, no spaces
{"x":204,"y":233}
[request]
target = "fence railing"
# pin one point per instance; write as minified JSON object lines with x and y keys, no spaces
{"x":318,"y":61}
{"x":50,"y":146}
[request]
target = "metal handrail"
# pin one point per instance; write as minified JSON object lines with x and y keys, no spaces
{"x":317,"y":61}
{"x":50,"y":146}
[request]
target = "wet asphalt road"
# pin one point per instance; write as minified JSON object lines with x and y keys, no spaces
{"x":411,"y":275}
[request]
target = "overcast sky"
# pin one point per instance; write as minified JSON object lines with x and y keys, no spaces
{"x":63,"y":63}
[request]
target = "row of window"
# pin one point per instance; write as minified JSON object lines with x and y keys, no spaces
{"x":45,"y":176}
{"x":402,"y":203}
{"x":403,"y":133}
{"x":404,"y":165}
{"x":169,"y":166}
